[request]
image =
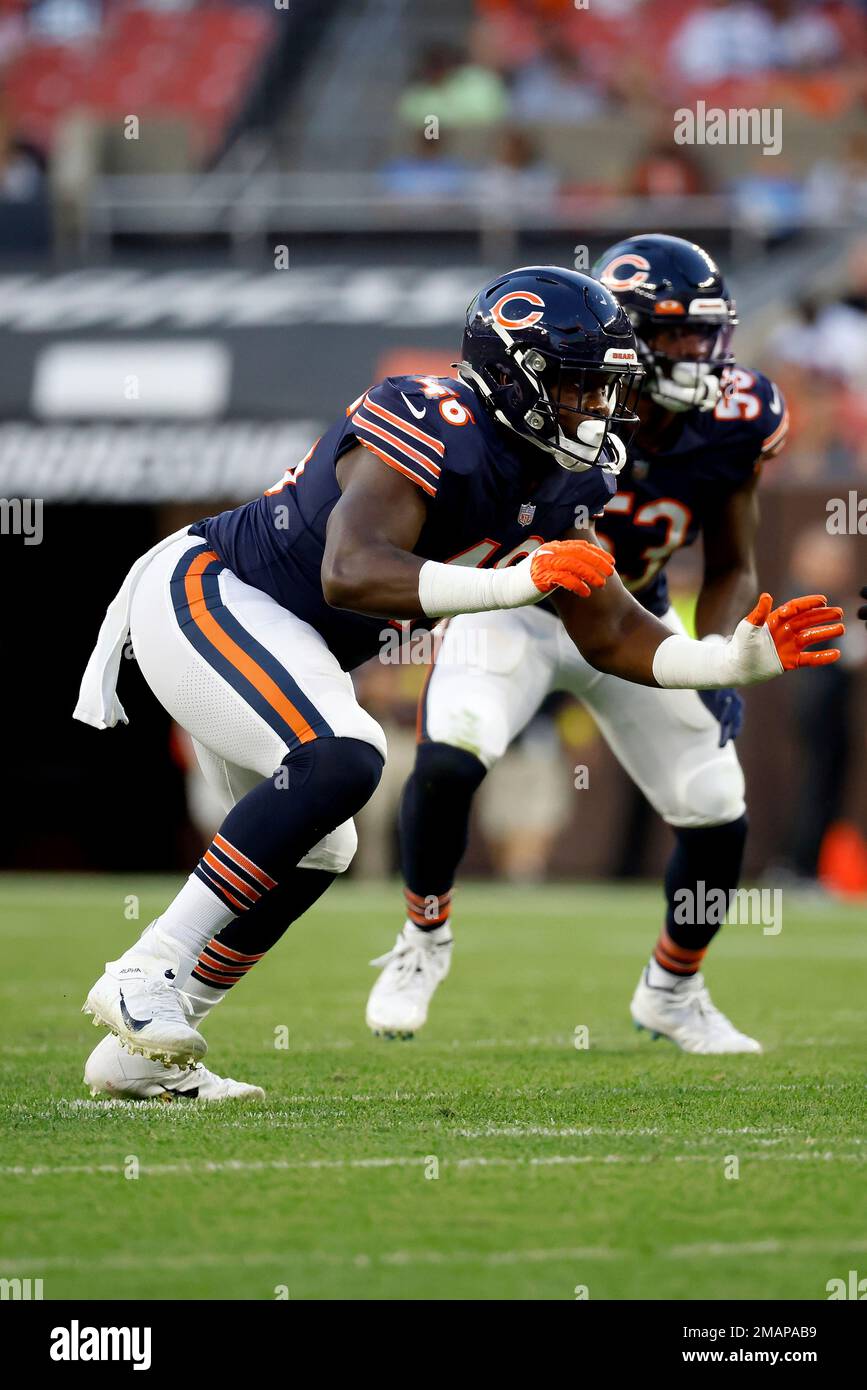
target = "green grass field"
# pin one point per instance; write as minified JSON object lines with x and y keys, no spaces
{"x":557,"y":1166}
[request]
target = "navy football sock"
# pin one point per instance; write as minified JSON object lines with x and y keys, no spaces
{"x":706,"y":859}
{"x":434,"y":828}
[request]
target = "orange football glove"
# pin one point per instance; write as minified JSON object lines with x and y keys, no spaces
{"x":799,"y":624}
{"x":578,"y":566}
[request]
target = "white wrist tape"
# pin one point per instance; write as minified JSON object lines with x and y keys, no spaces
{"x":680,"y":663}
{"x":746,"y":658}
{"x":446,"y":590}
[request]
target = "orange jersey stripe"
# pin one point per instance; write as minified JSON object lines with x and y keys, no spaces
{"x":228,"y":648}
{"x":244,"y":862}
{"x":393,"y":463}
{"x":399,"y":444}
{"x":413,"y":430}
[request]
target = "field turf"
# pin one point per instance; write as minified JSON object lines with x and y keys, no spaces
{"x":558,"y":1166}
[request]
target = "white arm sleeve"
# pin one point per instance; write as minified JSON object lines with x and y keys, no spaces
{"x":446,"y":590}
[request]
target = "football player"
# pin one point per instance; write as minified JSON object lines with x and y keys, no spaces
{"x":412,"y":506}
{"x":707,"y":426}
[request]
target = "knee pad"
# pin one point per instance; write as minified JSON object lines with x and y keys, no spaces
{"x":712,"y":794}
{"x":440,"y":765}
{"x":335,"y":852}
{"x":335,"y":775}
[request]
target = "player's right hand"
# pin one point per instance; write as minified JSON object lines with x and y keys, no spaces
{"x":578,"y":566}
{"x":770,"y":640}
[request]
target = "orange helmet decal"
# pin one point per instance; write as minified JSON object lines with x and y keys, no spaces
{"x":640,"y":267}
{"x":528,"y":320}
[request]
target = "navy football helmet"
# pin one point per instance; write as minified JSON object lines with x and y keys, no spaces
{"x":553,"y":358}
{"x":682,"y":313}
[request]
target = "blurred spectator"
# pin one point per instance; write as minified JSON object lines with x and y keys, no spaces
{"x":666,"y":170}
{"x":825,"y":729}
{"x":13,"y":30}
{"x":457,"y":92}
{"x":426,"y":171}
{"x":831,"y":339}
{"x":804,"y":35}
{"x":557,"y":87}
{"x":836,"y":189}
{"x":518,"y":174}
{"x":65,"y":21}
{"x":722,"y":40}
{"x":769,"y":201}
{"x":25,"y":213}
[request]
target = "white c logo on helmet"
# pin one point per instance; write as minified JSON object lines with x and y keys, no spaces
{"x":640,"y":268}
{"x":528,"y":319}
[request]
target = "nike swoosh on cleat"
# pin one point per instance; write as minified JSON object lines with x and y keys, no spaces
{"x":191,"y":1094}
{"x":419,"y":414}
{"x":136,"y":1024}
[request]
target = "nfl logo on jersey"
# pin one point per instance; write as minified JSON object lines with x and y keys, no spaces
{"x":526,"y":512}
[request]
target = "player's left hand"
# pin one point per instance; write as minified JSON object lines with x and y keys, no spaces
{"x":771,"y":640}
{"x":728,"y":707}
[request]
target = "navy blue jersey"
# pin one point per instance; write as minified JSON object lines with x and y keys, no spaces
{"x":489,"y":503}
{"x":664,"y":498}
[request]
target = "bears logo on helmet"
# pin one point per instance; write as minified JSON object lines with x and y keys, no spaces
{"x":564,"y":374}
{"x":682,"y":313}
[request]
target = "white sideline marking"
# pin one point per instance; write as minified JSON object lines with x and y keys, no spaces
{"x":279,"y":1165}
{"x":700,"y":1250}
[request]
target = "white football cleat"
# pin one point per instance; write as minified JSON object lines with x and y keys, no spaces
{"x":135,"y":1000}
{"x":411,"y":971}
{"x":112,"y":1070}
{"x":687,"y":1016}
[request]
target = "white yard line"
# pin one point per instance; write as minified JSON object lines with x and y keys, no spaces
{"x":279,"y":1165}
{"x":131,"y":1260}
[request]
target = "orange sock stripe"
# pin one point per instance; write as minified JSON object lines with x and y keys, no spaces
{"x":221,"y":968}
{"x":243,"y":862}
{"x":236,"y":881}
{"x":417,"y":901}
{"x":213,"y":977}
{"x":672,"y":965}
{"x":678,"y":959}
{"x":685,"y":955}
{"x":215,"y":945}
{"x":420,"y":920}
{"x":221,"y":888}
